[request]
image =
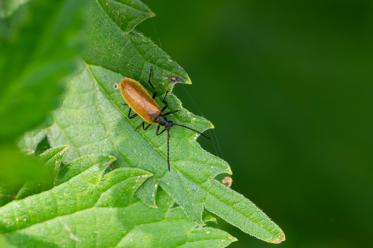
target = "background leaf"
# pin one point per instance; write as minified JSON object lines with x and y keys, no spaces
{"x":52,"y":159}
{"x":24,"y":175}
{"x":16,"y":169}
{"x":36,"y":56}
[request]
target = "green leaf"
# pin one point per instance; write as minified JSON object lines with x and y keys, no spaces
{"x":17,"y":169}
{"x":127,"y":14}
{"x":36,"y":56}
{"x":52,"y":159}
{"x":148,"y":191}
{"x":99,"y":209}
{"x":93,"y":105}
{"x":128,"y":53}
{"x":91,"y":190}
{"x":24,"y":175}
{"x":34,"y":142}
{"x":239,"y":211}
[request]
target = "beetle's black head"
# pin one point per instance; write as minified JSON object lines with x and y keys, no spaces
{"x":161,"y":120}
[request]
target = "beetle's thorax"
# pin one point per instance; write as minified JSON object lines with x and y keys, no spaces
{"x":161,"y":120}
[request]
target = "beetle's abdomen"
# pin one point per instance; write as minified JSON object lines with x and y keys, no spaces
{"x":139,"y":100}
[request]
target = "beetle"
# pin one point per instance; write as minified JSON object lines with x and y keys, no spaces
{"x":145,"y":106}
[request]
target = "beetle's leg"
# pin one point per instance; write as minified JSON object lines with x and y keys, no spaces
{"x":130,"y":116}
{"x":155,"y":92}
{"x":164,"y":97}
{"x":162,"y":131}
{"x":150,"y":82}
{"x":171,"y":112}
{"x":158,"y":132}
{"x":124,"y":104}
{"x":158,"y":127}
{"x":150,"y":78}
{"x":145,"y":127}
{"x":164,"y":102}
{"x":164,"y":108}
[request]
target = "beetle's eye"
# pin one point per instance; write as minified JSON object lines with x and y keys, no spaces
{"x":115,"y":86}
{"x":174,"y":79}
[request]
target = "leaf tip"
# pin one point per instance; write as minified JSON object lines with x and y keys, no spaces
{"x":232,"y":238}
{"x":229,"y":170}
{"x":111,"y":158}
{"x":279,"y":239}
{"x":188,"y":81}
{"x":147,"y":175}
{"x":65,"y":148}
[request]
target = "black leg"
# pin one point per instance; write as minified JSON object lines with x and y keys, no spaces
{"x":150,"y":77}
{"x":168,"y":150}
{"x":164,"y":107}
{"x":150,"y":82}
{"x":164,"y":102}
{"x":158,"y":132}
{"x":131,"y":116}
{"x":164,"y":97}
{"x":145,"y":127}
{"x":155,"y":92}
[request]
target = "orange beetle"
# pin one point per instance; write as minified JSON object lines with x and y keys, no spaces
{"x":139,"y":100}
{"x":145,"y":106}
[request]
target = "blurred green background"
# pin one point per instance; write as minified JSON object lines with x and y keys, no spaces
{"x":289,"y":87}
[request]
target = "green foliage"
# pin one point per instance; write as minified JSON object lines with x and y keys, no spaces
{"x":128,"y":53}
{"x":97,"y":208}
{"x":16,"y":169}
{"x":191,"y":182}
{"x":112,"y":175}
{"x":35,"y":57}
{"x":52,"y":159}
{"x":23,"y":175}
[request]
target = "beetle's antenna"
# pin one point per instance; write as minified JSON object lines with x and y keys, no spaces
{"x":192,"y":129}
{"x":168,"y":150}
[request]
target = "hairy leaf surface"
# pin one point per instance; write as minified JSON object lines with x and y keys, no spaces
{"x":97,"y":208}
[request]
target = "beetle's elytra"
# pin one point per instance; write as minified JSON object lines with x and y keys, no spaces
{"x":139,"y":100}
